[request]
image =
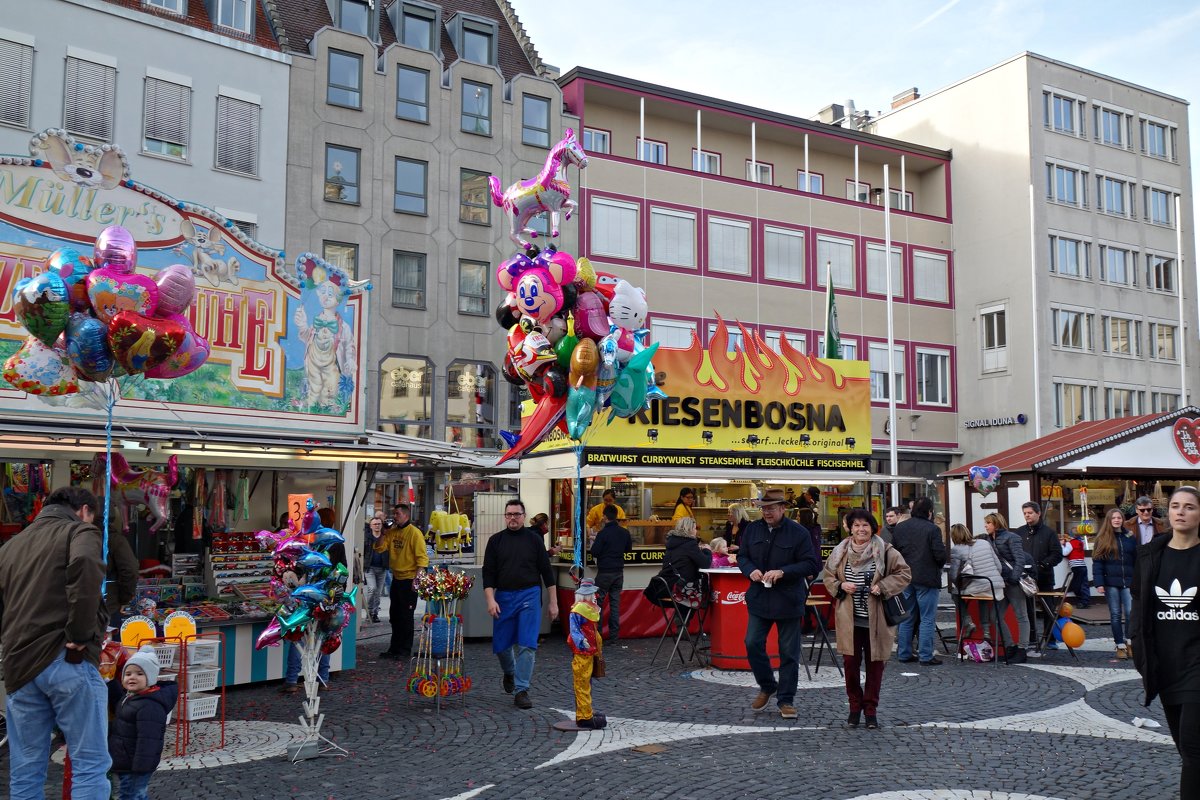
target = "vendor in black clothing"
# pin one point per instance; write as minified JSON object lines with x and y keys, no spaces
{"x":1165,"y":629}
{"x":609,"y":549}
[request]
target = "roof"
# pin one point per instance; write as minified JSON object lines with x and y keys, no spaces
{"x":197,"y":17}
{"x":1069,"y":442}
{"x":299,"y":21}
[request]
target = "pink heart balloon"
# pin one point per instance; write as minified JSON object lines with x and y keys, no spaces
{"x":112,"y":292}
{"x":176,"y":289}
{"x":116,"y":250}
{"x":188,"y":357}
{"x":590,"y":319}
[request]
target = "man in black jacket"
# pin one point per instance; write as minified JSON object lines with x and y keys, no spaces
{"x":609,"y":549}
{"x":1042,"y":555}
{"x":920,"y":542}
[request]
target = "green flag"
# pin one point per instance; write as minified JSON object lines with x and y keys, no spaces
{"x":833,"y":338}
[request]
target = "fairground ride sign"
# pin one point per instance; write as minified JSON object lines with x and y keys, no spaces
{"x":285,"y":336}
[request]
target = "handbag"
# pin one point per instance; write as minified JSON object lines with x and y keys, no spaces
{"x":898,"y":607}
{"x":1028,"y":586}
{"x":597,"y":666}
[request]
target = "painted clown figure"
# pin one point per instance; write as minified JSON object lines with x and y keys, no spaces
{"x":586,"y":645}
{"x":330,"y":351}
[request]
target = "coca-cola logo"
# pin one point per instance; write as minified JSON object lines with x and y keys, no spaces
{"x":733,"y":598}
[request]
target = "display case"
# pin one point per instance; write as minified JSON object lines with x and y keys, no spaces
{"x":238,"y":568}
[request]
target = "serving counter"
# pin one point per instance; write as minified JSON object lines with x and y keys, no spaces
{"x":640,"y":618}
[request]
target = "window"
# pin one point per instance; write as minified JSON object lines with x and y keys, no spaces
{"x":89,"y":99}
{"x":1110,"y":127}
{"x":931,"y":277}
{"x":1155,"y":139}
{"x":1066,"y":185}
{"x":516,"y":396}
{"x":595,"y":141}
{"x":1120,"y":336}
{"x":1158,"y":206}
{"x":16,"y":82}
{"x":933,"y":377}
{"x":1069,"y":257}
{"x":811,"y":182}
{"x":417,"y":27}
{"x":341,"y":174}
{"x":1062,"y":113}
{"x":1071,"y":330}
{"x":1122,"y":402}
{"x":901,"y":202}
{"x":1160,"y":273}
{"x":411,"y":182}
{"x":1164,"y":402}
{"x":784,"y":257}
{"x":166,"y":5}
{"x":614,"y":228}
{"x":167,"y":112}
{"x":836,"y":256}
{"x":345,"y":80}
{"x":733,"y":337}
{"x":672,"y":237}
{"x":1162,"y":342}
{"x":994,"y":338}
{"x":654,"y":152}
{"x":473,"y":288}
{"x":237,"y":135}
{"x":849,"y":349}
{"x":412,"y":93}
{"x":1116,"y":196}
{"x":728,"y":246}
{"x":1073,"y":403}
{"x":798,"y":341}
{"x":862,"y":193}
{"x":354,"y":16}
{"x":474,"y":204}
{"x":672,"y":333}
{"x":470,"y":404}
{"x":877,"y":353}
{"x":341,"y":254}
{"x":1116,"y":264}
{"x":704,"y":161}
{"x":477,"y":42}
{"x":535,"y":120}
{"x":234,"y":14}
{"x":758,"y":172}
{"x":876,"y":275}
{"x":477,"y":108}
{"x":408,"y":279}
{"x":540,"y":223}
{"x":406,"y":395}
{"x":248,"y":228}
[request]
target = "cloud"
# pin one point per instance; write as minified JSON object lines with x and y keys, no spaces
{"x":934,"y":15}
{"x":1146,"y":40}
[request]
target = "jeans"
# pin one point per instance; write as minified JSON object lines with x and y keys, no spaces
{"x":1184,"y":722}
{"x":1014,"y":597}
{"x":1080,"y":588}
{"x":404,"y":605}
{"x":292,"y":674}
{"x":518,"y":662}
{"x":757,"y":629}
{"x":866,"y":701}
{"x":134,"y":785}
{"x":609,"y":584}
{"x":1119,"y":600}
{"x":71,"y":697}
{"x":376,"y":583}
{"x":926,"y":600}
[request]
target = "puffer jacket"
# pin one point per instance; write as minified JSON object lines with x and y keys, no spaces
{"x":135,"y":736}
{"x":685,"y":557}
{"x":1118,"y":570}
{"x":789,"y":548}
{"x":985,"y":564}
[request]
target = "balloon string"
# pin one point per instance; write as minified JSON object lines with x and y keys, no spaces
{"x":108,"y":425}
{"x":579,"y":532}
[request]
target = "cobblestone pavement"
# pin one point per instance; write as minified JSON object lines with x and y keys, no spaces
{"x":1056,"y":728}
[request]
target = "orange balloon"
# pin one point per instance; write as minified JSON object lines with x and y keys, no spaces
{"x":1066,"y":610}
{"x":585,"y":359}
{"x":1072,"y":635}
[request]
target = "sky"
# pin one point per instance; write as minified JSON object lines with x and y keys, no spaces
{"x":798,"y":56}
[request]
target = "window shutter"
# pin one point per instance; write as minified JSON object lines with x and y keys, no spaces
{"x":16,"y":82}
{"x":89,"y":99}
{"x":237,"y":135}
{"x":168,"y":109}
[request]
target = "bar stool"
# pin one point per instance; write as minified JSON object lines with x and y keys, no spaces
{"x":980,"y":600}
{"x":678,"y":609}
{"x":816,"y":607}
{"x":1052,"y":603}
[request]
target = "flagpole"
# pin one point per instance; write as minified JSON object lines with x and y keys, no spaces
{"x":891,"y":338}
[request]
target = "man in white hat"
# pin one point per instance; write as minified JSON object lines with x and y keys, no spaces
{"x":777,"y":556}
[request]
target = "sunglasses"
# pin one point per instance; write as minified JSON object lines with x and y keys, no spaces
{"x":1144,"y":510}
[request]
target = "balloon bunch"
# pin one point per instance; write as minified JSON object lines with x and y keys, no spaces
{"x":440,"y":584}
{"x":1066,"y":630}
{"x":322,"y":597}
{"x":92,"y":318}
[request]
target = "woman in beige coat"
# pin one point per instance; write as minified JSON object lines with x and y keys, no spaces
{"x":860,"y":574}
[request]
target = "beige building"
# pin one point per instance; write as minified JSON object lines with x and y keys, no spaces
{"x":718,"y":208}
{"x":1069,"y":190}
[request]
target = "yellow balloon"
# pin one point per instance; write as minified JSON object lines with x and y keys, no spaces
{"x":1072,"y":635}
{"x":1066,"y":610}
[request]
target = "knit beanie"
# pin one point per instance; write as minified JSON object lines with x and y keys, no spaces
{"x":147,"y":661}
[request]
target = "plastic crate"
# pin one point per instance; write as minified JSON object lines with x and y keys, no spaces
{"x":200,"y":680}
{"x":203,"y":651}
{"x":166,"y":653}
{"x":201,"y":706}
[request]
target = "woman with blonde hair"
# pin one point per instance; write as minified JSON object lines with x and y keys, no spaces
{"x":1114,"y":559}
{"x":735,"y":526}
{"x":1012,"y":565}
{"x":975,"y":571}
{"x":682,"y":562}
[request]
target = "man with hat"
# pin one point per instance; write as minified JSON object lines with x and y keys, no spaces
{"x":584,"y":638}
{"x":777,"y":556}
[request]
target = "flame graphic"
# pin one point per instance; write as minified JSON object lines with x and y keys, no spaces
{"x":758,"y":368}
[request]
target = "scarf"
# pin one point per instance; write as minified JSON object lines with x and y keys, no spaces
{"x":871,"y":554}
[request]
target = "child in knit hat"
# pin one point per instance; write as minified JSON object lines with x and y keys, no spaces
{"x":140,"y":705}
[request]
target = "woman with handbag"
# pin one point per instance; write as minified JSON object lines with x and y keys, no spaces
{"x":1012,"y":562}
{"x":1113,"y":561}
{"x":975,"y":572}
{"x":861,"y":574}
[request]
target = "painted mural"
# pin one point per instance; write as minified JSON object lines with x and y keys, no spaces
{"x":285,"y":334}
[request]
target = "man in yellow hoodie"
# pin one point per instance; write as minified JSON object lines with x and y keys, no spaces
{"x":406,"y":555}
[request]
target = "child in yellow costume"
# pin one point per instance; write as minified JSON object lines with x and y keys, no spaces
{"x":586,"y":645}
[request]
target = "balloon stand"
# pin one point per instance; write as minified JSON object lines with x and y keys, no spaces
{"x":314,"y":742}
{"x":437,"y":670}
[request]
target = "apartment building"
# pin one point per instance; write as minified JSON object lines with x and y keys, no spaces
{"x":717,"y":208}
{"x":399,"y":115}
{"x":1070,"y":193}
{"x":194,"y":92}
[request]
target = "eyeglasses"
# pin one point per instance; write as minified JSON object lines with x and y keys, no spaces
{"x":1144,"y":510}
{"x":514,"y":513}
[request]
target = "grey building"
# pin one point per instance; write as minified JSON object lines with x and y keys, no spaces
{"x":1079,"y":297}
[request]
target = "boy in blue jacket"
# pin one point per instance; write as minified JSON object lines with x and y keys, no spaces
{"x":140,"y":705}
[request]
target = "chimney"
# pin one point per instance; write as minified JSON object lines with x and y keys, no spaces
{"x":905,"y":97}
